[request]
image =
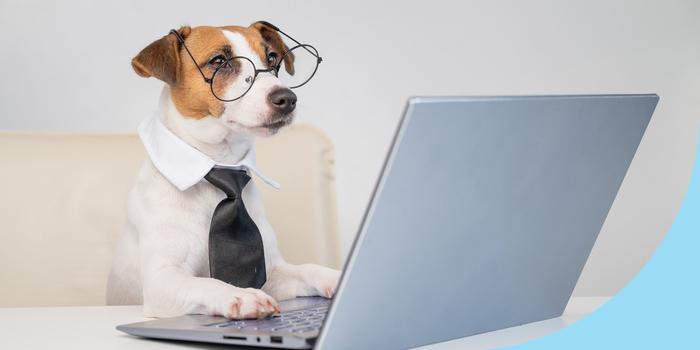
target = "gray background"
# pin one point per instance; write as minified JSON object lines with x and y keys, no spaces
{"x":65,"y":66}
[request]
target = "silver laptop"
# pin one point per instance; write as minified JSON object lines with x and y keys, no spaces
{"x":483,"y":217}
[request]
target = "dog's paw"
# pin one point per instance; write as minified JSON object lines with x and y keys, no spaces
{"x":250,"y":303}
{"x":324,"y":280}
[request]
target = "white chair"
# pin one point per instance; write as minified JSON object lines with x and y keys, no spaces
{"x":63,"y":201}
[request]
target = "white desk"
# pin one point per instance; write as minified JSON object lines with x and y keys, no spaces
{"x":92,"y":327}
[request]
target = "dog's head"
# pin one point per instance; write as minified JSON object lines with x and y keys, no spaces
{"x":262,"y":110}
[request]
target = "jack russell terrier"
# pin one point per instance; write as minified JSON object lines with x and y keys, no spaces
{"x":223,"y":88}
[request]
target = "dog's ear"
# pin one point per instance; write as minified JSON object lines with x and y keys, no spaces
{"x":161,"y":59}
{"x":270,"y":35}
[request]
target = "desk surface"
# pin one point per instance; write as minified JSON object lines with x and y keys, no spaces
{"x":92,"y":327}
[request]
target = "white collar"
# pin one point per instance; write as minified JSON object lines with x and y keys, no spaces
{"x":182,"y":164}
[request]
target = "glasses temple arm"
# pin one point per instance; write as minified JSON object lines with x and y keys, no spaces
{"x":290,"y":38}
{"x":182,"y":41}
{"x":300,"y":44}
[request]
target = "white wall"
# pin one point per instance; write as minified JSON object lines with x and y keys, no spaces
{"x":65,"y":66}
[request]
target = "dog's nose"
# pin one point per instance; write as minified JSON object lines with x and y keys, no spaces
{"x":283,"y":100}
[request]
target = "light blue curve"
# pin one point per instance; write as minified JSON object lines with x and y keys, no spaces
{"x":660,"y":308}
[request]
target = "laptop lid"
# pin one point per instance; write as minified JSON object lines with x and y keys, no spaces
{"x":484,"y":215}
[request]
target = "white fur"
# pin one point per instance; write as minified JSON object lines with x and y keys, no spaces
{"x":246,"y":114}
{"x":162,"y":257}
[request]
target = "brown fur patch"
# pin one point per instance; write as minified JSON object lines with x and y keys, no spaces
{"x":159,"y":59}
{"x":191,"y":94}
{"x":274,"y":40}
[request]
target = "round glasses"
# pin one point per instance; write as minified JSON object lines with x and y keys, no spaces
{"x":233,"y":78}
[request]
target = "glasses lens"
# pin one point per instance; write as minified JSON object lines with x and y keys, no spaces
{"x":233,"y":79}
{"x":298,"y":65}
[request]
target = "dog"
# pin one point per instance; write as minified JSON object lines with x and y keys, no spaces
{"x":161,"y":260}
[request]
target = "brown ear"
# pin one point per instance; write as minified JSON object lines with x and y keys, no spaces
{"x":270,"y":35}
{"x":161,"y":59}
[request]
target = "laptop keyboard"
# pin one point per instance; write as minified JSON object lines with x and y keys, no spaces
{"x":295,"y":321}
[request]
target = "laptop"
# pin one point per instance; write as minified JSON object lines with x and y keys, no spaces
{"x":483,"y":217}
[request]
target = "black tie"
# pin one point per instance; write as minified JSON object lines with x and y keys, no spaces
{"x":236,"y":253}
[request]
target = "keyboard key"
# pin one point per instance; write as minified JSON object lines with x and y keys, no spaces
{"x":304,"y":329}
{"x":225,"y":324}
{"x":217,"y":324}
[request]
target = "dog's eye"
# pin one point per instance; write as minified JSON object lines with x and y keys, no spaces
{"x":271,"y":58}
{"x":217,"y":61}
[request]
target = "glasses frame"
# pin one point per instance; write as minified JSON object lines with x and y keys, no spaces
{"x":273,"y":70}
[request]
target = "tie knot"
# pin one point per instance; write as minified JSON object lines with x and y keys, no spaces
{"x":231,"y":181}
